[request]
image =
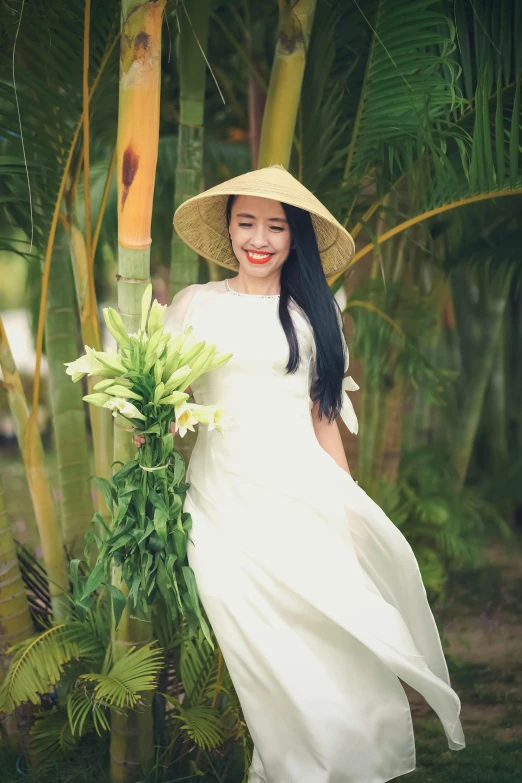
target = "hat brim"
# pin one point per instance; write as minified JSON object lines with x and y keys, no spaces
{"x":201,"y":221}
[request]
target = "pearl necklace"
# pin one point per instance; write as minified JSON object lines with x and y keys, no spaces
{"x":257,"y":296}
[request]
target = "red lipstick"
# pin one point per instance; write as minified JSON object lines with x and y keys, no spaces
{"x":259,"y":260}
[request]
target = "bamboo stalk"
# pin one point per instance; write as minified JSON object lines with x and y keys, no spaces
{"x":466,"y":429}
{"x":132,"y":748}
{"x":100,"y":418}
{"x":286,"y":79}
{"x":193,"y":34}
{"x":39,"y":486}
{"x":66,"y":401}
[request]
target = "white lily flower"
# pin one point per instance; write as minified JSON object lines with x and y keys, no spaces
{"x":185,"y":418}
{"x":85,"y":365}
{"x":221,"y":419}
{"x":203,"y":413}
{"x":156,"y":317}
{"x":212,"y":416}
{"x":126,"y":408}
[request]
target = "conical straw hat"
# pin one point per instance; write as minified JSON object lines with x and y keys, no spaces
{"x":201,"y":221}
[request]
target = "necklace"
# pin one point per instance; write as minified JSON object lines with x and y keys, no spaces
{"x":257,"y":296}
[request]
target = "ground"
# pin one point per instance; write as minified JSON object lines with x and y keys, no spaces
{"x":482,"y":636}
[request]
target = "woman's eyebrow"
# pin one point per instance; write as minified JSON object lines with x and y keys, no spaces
{"x":245,"y":214}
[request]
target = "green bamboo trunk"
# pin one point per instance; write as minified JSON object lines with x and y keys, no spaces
{"x":132,"y":745}
{"x":31,"y":448}
{"x":100,"y":419}
{"x":184,"y":267}
{"x":15,"y":617}
{"x":70,"y":432}
{"x":477,"y":382}
{"x":286,"y":79}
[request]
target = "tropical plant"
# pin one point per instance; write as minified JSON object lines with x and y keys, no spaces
{"x":446,"y":526}
{"x":391,"y":328}
{"x":75,"y":657}
{"x":433,"y":111}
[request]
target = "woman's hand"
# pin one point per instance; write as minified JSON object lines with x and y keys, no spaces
{"x":140,"y":439}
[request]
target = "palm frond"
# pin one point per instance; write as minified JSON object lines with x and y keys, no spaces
{"x":408,"y":83}
{"x":134,"y":673}
{"x":83,"y":711}
{"x":51,"y":735}
{"x":48,"y":55}
{"x":202,"y":724}
{"x":198,"y":670}
{"x":39,"y":663}
{"x":391,"y":352}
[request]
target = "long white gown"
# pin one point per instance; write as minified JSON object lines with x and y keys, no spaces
{"x":314,"y":595}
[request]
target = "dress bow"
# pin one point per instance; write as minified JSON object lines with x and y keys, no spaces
{"x":347,"y":412}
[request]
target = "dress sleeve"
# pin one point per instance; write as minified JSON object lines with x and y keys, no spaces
{"x":176,"y":312}
{"x":347,"y":412}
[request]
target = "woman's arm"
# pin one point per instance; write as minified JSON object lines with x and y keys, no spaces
{"x":329,"y":437}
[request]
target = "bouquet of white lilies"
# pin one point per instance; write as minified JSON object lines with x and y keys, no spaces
{"x":144,"y":387}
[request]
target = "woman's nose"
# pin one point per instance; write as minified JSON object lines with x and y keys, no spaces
{"x":260,"y":236}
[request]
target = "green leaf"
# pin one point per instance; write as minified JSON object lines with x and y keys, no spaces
{"x":118,"y":602}
{"x":135,"y":672}
{"x":180,"y":543}
{"x":178,"y":467}
{"x":160,"y":522}
{"x":105,"y":488}
{"x":127,"y":468}
{"x":95,"y":579}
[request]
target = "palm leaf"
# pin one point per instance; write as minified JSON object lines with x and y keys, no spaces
{"x":37,"y":664}
{"x":408,"y":83}
{"x":48,"y":55}
{"x":198,"y":670}
{"x":51,"y":735}
{"x":40,"y":663}
{"x":202,"y":724}
{"x":135,"y":672}
{"x":471,"y":154}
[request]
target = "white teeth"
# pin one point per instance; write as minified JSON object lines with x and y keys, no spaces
{"x":259,"y":255}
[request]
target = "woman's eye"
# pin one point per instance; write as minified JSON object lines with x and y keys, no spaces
{"x":249,"y":225}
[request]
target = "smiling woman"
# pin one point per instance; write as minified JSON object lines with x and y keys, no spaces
{"x":314,"y":595}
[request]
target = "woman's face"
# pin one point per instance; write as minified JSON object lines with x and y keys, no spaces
{"x":260,"y":235}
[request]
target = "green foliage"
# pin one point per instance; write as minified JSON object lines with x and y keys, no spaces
{"x":50,"y":117}
{"x":76,"y":657}
{"x":210,"y":712}
{"x":447,"y":527}
{"x":38,"y":663}
{"x":393,"y":349}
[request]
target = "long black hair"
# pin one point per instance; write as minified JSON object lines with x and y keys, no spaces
{"x":303,"y":280}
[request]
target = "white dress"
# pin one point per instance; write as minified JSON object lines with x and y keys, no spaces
{"x":314,"y":595}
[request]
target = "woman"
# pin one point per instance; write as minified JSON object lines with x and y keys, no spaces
{"x":314,"y":595}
